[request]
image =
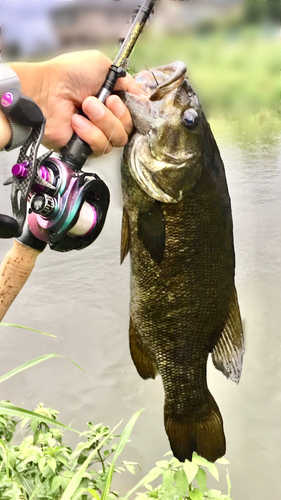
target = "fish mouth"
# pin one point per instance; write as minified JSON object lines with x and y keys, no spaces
{"x":157,"y":82}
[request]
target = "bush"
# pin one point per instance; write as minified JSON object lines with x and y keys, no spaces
{"x":43,"y":467}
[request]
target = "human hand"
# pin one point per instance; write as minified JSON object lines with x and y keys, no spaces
{"x":61,"y":86}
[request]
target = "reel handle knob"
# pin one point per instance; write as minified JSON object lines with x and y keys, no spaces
{"x":9,"y":227}
{"x":21,"y":108}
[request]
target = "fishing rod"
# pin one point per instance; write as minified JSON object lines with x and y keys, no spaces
{"x":68,"y":207}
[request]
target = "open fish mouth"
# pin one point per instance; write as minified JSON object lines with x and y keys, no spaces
{"x":159,"y":81}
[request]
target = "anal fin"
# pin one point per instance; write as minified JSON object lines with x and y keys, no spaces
{"x":228,"y":353}
{"x":144,"y":363}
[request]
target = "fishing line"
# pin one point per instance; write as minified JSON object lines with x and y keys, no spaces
{"x":113,"y":130}
{"x":152,"y":74}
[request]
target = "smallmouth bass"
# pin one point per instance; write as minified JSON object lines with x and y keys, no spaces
{"x":177,"y":226}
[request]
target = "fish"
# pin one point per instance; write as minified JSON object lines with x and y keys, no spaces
{"x":177,"y":227}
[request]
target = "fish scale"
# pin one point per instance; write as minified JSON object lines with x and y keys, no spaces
{"x":183,"y":300}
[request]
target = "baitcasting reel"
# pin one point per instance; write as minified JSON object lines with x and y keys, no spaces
{"x":68,"y":207}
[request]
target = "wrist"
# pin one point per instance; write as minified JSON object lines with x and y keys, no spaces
{"x":34,"y":79}
{"x":5,"y":131}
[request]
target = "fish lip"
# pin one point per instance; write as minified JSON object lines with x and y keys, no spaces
{"x":177,"y":77}
{"x":173,"y":74}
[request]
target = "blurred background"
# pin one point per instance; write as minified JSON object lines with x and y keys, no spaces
{"x":231,"y":47}
{"x":232,"y":52}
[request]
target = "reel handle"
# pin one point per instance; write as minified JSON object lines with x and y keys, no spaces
{"x":14,"y":272}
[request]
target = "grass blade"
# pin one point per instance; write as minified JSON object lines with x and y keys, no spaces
{"x":6,"y":455}
{"x":27,"y":365}
{"x":122,"y":442}
{"x":27,"y":328}
{"x":9,"y":409}
{"x":34,"y":362}
{"x":77,"y":478}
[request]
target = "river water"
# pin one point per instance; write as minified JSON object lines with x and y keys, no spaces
{"x":83,"y":299}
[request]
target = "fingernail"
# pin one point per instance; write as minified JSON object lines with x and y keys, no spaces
{"x":95,"y":108}
{"x":80,"y":122}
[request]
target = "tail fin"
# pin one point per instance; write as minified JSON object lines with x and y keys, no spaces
{"x":201,"y":432}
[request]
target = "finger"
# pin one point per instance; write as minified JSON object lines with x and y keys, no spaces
{"x":104,"y":119}
{"x":91,"y":134}
{"x":128,"y":84}
{"x":116,"y":106}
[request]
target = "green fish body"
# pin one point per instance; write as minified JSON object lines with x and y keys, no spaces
{"x":177,"y":226}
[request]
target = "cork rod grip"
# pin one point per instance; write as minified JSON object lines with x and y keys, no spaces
{"x":14,"y":272}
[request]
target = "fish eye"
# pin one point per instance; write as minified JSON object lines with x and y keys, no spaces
{"x":190,"y":118}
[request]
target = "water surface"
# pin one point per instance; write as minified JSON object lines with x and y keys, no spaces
{"x":83,"y":299}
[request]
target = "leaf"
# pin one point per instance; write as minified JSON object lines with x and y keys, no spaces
{"x":200,"y":460}
{"x":209,"y":465}
{"x":190,"y":469}
{"x":151,"y":476}
{"x":214,"y":494}
{"x":196,"y":495}
{"x":94,"y":494}
{"x":56,"y":483}
{"x":222,"y":461}
{"x":168,"y":479}
{"x":163,"y":464}
{"x":214,"y":471}
{"x":228,"y":484}
{"x":9,"y":409}
{"x":27,"y":328}
{"x":121,"y":445}
{"x":201,"y":478}
{"x":77,"y":477}
{"x":175,"y":462}
{"x":52,"y":464}
{"x":130,"y":468}
{"x":181,"y":482}
{"x":41,"y":464}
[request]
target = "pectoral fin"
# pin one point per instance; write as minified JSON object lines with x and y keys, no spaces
{"x":228,"y":353}
{"x":125,"y":236}
{"x":151,"y":231}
